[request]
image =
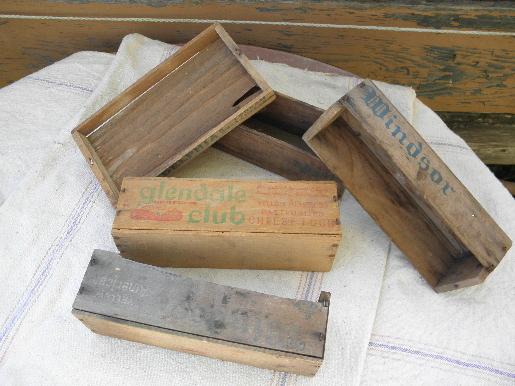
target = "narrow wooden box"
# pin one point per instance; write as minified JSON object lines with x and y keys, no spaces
{"x":408,"y":189}
{"x":272,"y":139}
{"x":141,"y":303}
{"x":173,"y":112}
{"x":208,"y":223}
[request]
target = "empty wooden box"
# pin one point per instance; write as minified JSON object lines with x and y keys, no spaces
{"x":242,"y":224}
{"x":408,"y":189}
{"x":141,"y":303}
{"x":272,"y":139}
{"x":178,"y":109}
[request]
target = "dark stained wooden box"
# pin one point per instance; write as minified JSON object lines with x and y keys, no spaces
{"x":141,"y":303}
{"x":272,"y":139}
{"x":174,"y":112}
{"x":408,"y":190}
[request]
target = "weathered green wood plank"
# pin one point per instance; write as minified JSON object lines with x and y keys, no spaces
{"x":458,"y":57}
{"x":491,"y":136}
{"x":446,"y":14}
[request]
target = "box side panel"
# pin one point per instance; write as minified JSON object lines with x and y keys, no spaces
{"x":464,"y":272}
{"x":244,"y":61}
{"x":229,"y":250}
{"x":307,"y":207}
{"x":253,"y":356}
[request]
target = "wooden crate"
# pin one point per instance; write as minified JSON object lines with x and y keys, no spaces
{"x":272,"y":139}
{"x":408,"y":189}
{"x":173,"y":112}
{"x":210,"y":223}
{"x":141,"y":303}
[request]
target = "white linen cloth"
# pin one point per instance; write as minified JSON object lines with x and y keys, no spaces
{"x":55,"y":214}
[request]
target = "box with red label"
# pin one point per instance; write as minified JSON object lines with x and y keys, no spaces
{"x":212,"y":223}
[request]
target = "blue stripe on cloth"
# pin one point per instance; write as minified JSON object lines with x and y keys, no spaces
{"x":442,"y":358}
{"x":52,"y":256}
{"x":65,"y":84}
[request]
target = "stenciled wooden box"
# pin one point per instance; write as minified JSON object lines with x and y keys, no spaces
{"x":137,"y":302}
{"x":272,"y":139}
{"x":172,"y":113}
{"x":241,"y":224}
{"x":408,"y":190}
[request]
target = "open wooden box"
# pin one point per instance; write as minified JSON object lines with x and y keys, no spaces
{"x":272,"y":139}
{"x":142,"y":303}
{"x":173,"y":112}
{"x":408,"y":190}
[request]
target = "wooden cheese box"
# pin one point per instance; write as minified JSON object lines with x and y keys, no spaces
{"x":272,"y":139}
{"x":209,"y":223}
{"x":141,"y":303}
{"x":175,"y":111}
{"x":408,"y":189}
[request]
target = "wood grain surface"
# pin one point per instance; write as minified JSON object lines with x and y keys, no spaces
{"x":457,"y":56}
{"x":383,"y":198}
{"x":141,"y":296}
{"x":235,"y":224}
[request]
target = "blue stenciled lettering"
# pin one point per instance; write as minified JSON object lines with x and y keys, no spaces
{"x":381,"y":109}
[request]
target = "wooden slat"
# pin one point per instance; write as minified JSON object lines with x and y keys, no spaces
{"x":229,"y":250}
{"x":460,"y":15}
{"x":491,"y":136}
{"x":463,"y":71}
{"x":98,"y":168}
{"x":292,"y":115}
{"x":192,"y":344}
{"x":121,"y":292}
